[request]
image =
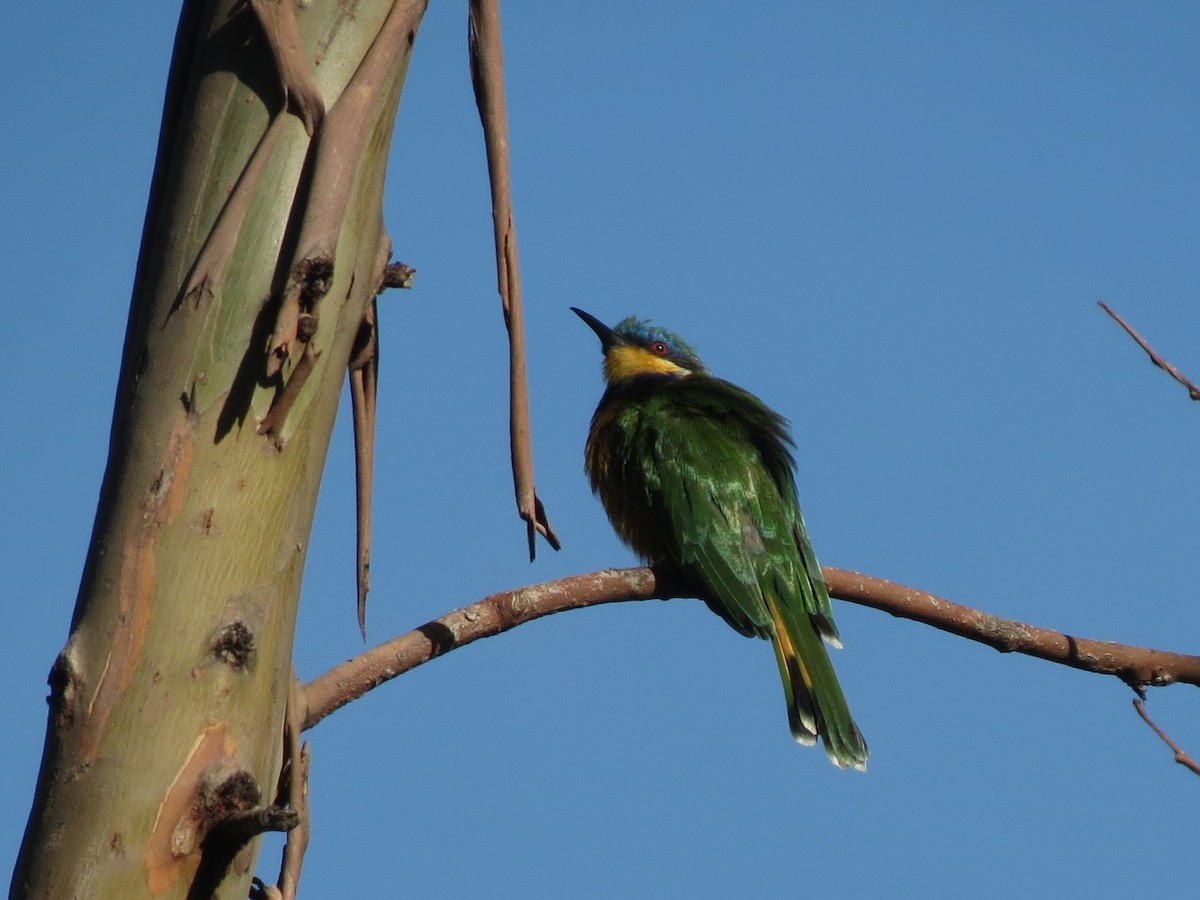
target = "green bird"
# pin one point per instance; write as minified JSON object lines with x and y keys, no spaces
{"x":695,"y":470}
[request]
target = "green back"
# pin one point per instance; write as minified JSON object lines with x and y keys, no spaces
{"x":701,"y":470}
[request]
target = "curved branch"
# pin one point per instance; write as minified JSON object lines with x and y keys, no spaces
{"x":490,"y":616}
{"x":500,"y":612}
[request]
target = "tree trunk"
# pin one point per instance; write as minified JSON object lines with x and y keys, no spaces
{"x":263,"y":248}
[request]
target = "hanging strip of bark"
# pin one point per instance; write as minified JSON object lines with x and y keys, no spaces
{"x":487,"y":77}
{"x":364,"y":379}
{"x":208,"y":272}
{"x":300,"y":91}
{"x":339,"y":146}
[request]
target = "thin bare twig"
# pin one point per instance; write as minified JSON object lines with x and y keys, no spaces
{"x":1180,"y":756}
{"x":1193,"y":391}
{"x":500,"y":612}
{"x":487,"y":77}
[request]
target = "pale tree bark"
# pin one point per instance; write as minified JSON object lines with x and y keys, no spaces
{"x":263,"y":248}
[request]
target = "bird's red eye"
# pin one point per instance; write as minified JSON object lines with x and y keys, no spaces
{"x":660,"y":348}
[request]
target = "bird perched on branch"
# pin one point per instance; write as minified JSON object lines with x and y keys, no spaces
{"x":697,"y":471}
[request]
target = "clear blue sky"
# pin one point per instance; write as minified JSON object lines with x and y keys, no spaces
{"x":891,"y":221}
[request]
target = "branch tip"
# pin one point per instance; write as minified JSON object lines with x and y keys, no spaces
{"x":1192,"y":389}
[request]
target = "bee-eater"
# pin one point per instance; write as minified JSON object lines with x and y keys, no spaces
{"x":695,"y":470}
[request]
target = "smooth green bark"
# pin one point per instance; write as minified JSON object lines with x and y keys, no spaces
{"x":168,"y":701}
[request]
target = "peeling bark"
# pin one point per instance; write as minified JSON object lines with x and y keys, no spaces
{"x":167,"y":703}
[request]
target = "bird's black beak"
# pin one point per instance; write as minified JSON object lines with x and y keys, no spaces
{"x":607,"y":336}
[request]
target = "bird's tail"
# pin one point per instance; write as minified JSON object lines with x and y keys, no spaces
{"x":816,"y":705}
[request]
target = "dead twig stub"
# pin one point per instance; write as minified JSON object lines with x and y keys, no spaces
{"x":398,"y":275}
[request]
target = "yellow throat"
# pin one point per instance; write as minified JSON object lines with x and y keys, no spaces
{"x":626,"y":362}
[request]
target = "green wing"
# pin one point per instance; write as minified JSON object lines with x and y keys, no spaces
{"x":711,"y":464}
{"x":719,"y":487}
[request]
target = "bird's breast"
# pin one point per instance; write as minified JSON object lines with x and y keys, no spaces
{"x":616,"y":462}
